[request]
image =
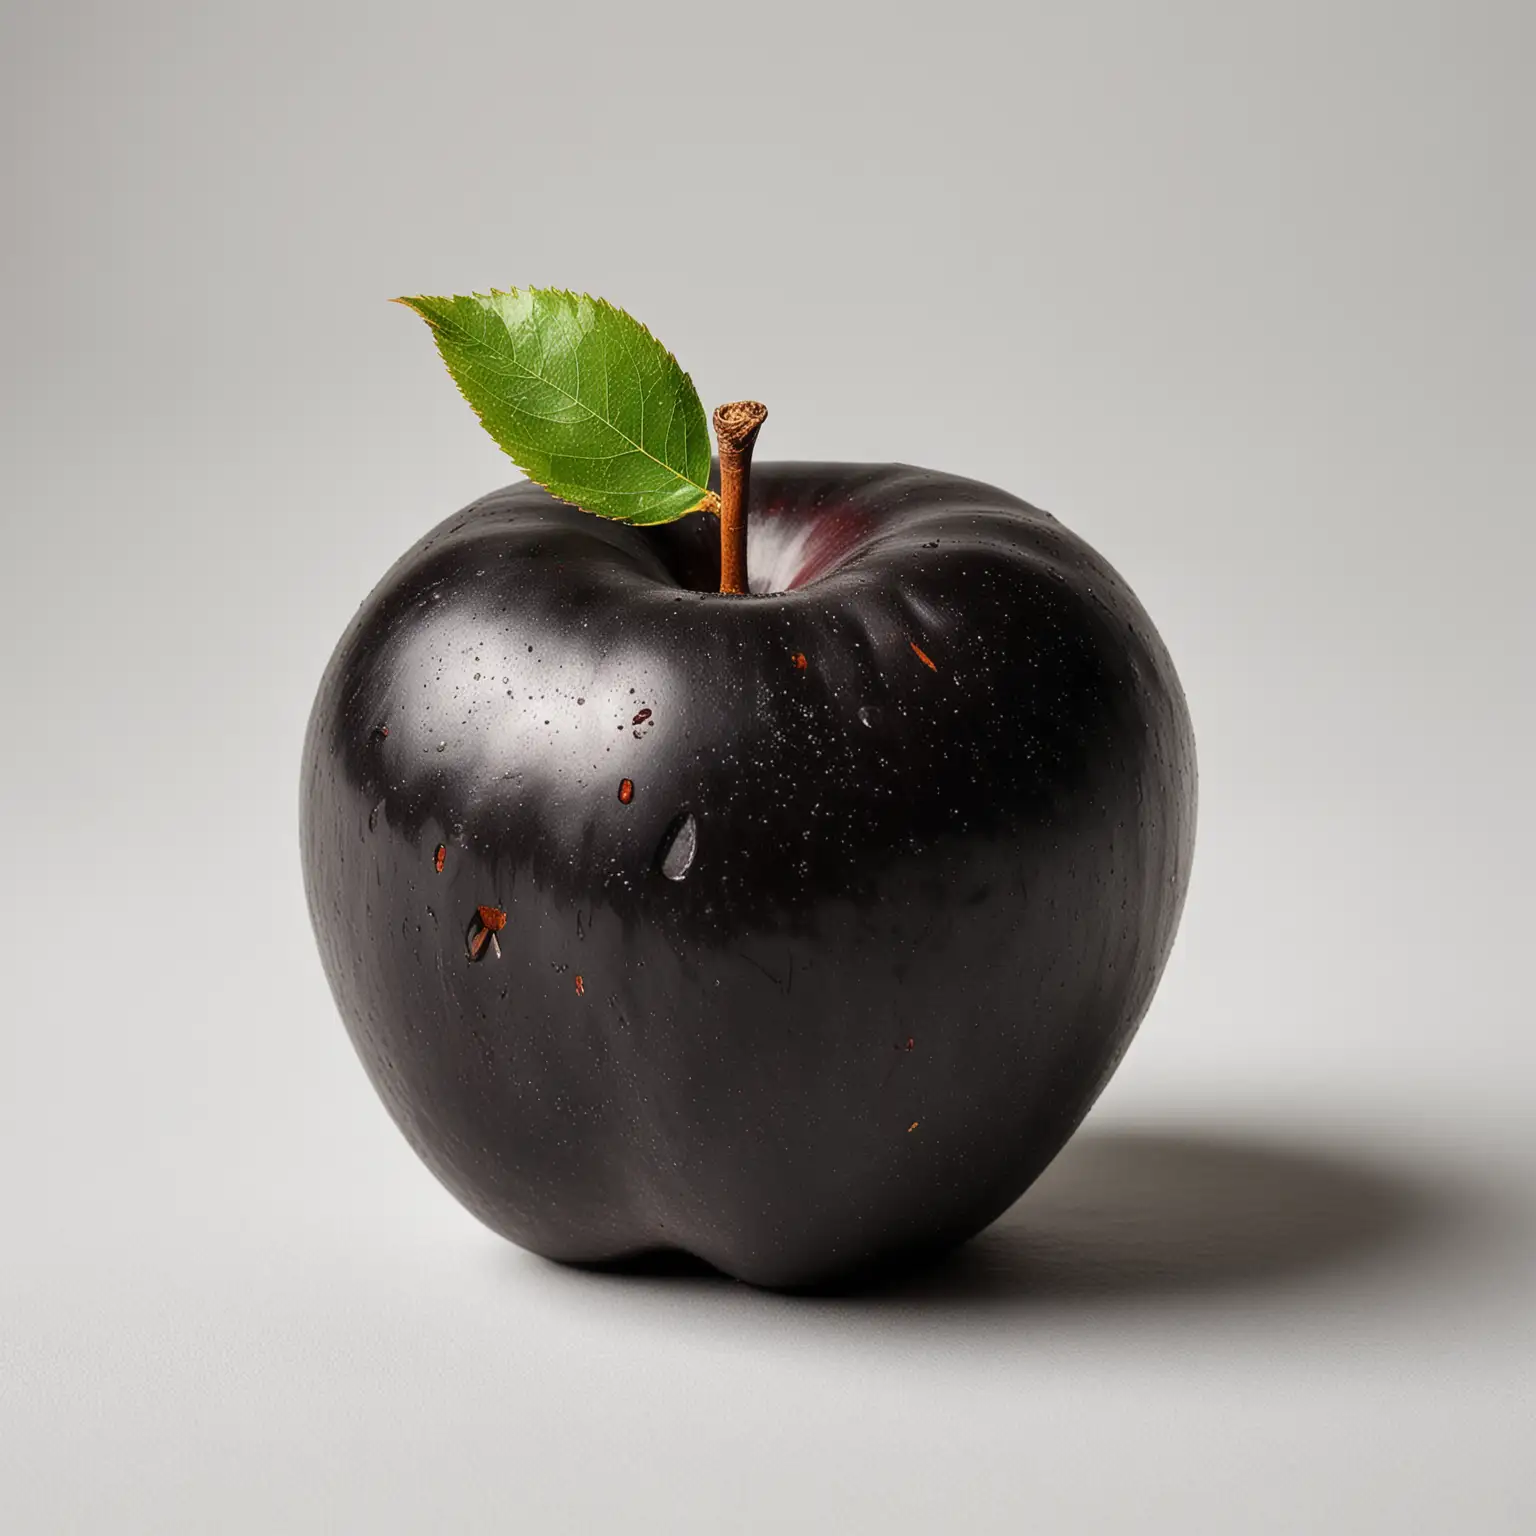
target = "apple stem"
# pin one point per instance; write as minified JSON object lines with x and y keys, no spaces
{"x":736,"y":429}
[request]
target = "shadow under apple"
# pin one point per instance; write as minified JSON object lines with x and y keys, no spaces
{"x":1150,"y":1213}
{"x":1160,"y":1212}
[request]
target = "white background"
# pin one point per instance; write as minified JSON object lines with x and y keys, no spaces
{"x":1242,"y":293}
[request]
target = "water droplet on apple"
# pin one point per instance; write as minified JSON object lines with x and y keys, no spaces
{"x":373,"y":816}
{"x":678,"y":848}
{"x":868,"y":715}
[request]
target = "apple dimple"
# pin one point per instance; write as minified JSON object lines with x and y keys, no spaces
{"x":790,"y":545}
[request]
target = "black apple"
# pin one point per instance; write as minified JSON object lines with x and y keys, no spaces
{"x":795,"y":930}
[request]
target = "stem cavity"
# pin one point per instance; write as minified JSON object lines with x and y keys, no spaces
{"x":736,"y":429}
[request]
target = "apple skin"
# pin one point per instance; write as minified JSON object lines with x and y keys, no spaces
{"x":930,"y":894}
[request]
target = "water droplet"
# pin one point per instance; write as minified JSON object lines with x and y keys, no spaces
{"x":373,"y":816}
{"x":442,"y":746}
{"x":678,"y":848}
{"x":626,"y":791}
{"x":868,"y":715}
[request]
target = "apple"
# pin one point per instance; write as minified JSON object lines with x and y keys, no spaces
{"x":795,"y":930}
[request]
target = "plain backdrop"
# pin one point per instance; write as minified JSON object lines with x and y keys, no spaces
{"x":1241,"y":292}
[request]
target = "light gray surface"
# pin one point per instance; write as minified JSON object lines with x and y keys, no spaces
{"x":1241,"y":292}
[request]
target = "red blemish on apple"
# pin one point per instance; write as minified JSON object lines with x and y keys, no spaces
{"x":626,"y":791}
{"x":799,"y":660}
{"x":483,"y":928}
{"x":581,"y":988}
{"x":911,"y":1127}
{"x":922,"y":656}
{"x":380,"y":732}
{"x":909,"y":1046}
{"x":439,"y":856}
{"x":641,"y":718}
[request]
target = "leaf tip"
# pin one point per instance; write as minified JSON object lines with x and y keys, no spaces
{"x":418,"y":306}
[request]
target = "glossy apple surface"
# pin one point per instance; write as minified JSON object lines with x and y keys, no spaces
{"x":814,"y":920}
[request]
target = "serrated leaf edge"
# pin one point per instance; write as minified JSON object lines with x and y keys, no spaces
{"x":708,"y":501}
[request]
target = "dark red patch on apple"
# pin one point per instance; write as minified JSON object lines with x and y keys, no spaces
{"x":626,"y":791}
{"x":923,"y":656}
{"x":789,"y":546}
{"x":581,"y":988}
{"x":439,"y":856}
{"x":799,"y":660}
{"x":483,"y":928}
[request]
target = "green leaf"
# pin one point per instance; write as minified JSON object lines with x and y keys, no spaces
{"x":580,"y":396}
